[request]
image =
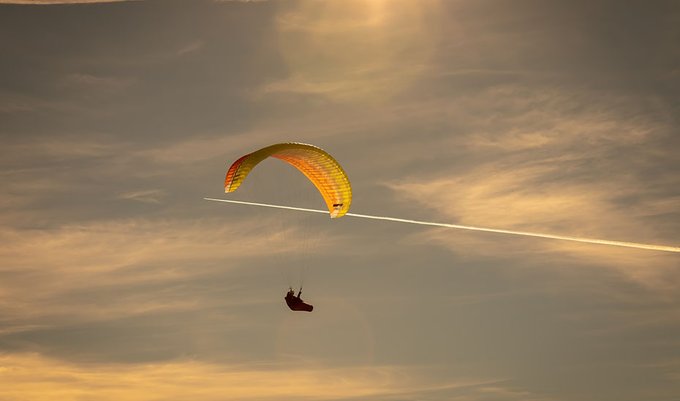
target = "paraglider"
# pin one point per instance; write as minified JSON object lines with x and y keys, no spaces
{"x":295,"y":303}
{"x":318,"y":166}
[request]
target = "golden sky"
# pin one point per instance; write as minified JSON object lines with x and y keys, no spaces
{"x":119,"y":282}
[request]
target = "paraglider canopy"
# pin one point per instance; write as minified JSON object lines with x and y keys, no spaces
{"x":315,"y":163}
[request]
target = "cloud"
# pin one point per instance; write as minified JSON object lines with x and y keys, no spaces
{"x":49,"y":2}
{"x":18,"y":103}
{"x":97,"y":83}
{"x":35,"y":170}
{"x":145,"y":196}
{"x":536,"y":160}
{"x":352,"y":51}
{"x":240,"y":1}
{"x":199,"y":149}
{"x":31,"y":376}
{"x":191,"y":48}
{"x":11,"y":103}
{"x":128,"y":255}
{"x":530,"y":198}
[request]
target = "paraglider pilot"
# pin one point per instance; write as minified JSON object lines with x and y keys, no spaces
{"x":295,"y":303}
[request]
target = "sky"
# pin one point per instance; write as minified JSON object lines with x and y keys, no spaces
{"x":119,"y":282}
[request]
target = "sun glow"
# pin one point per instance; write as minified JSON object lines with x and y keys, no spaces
{"x":354,"y":50}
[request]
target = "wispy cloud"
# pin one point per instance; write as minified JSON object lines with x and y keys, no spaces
{"x":57,"y":263}
{"x":31,"y":376}
{"x":198,"y":149}
{"x":48,"y":2}
{"x":92,"y":82}
{"x":144,"y":196}
{"x":239,"y":1}
{"x":191,"y":48}
{"x":356,"y":48}
{"x":528,"y":199}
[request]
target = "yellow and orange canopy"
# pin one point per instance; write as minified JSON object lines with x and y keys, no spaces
{"x":315,"y":163}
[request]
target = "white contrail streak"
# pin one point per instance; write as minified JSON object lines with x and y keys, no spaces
{"x":663,"y":248}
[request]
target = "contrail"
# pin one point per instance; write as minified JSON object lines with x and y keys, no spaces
{"x":663,"y":248}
